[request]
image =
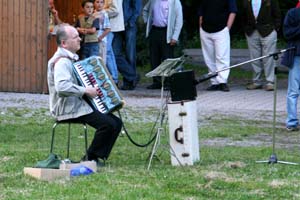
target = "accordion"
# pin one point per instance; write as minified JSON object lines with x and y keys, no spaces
{"x":92,"y":72}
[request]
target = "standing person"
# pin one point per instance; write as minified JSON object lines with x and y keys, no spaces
{"x":126,"y":40}
{"x":215,"y":20}
{"x":291,"y":59}
{"x":262,"y":20}
{"x":164,"y":22}
{"x":67,"y":97}
{"x":115,"y":14}
{"x":104,"y":28}
{"x":87,"y":25}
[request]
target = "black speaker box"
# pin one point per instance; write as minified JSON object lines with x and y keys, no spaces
{"x":182,"y":86}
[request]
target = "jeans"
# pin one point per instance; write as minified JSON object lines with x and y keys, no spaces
{"x":110,"y":58}
{"x":89,"y":49}
{"x":293,"y":93}
{"x":126,"y":62}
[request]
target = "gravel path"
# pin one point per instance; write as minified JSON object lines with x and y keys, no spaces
{"x":249,"y":105}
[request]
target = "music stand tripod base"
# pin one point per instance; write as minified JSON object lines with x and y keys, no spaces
{"x":273,"y":160}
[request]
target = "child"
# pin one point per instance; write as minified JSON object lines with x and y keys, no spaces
{"x":104,"y":27}
{"x":87,"y":25}
{"x":104,"y":44}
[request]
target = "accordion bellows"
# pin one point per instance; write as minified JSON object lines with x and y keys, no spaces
{"x":92,"y":72}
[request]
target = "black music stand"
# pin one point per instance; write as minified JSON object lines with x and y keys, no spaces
{"x":165,"y":69}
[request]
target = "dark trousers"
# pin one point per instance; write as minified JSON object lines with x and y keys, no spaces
{"x":108,"y":127}
{"x":159,"y":49}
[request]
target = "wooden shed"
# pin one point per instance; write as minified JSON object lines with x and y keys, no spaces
{"x":24,"y":42}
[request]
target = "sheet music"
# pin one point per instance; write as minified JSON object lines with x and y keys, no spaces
{"x":167,"y":67}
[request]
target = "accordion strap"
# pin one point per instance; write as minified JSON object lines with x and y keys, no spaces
{"x":58,"y":58}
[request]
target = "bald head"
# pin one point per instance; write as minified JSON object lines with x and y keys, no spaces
{"x":67,"y":37}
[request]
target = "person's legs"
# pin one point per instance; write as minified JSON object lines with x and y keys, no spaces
{"x":110,"y":58}
{"x":130,"y":52}
{"x":222,"y":49}
{"x":84,"y":51}
{"x":269,"y":46}
{"x":102,"y":52}
{"x":93,"y":49}
{"x":155,"y":50}
{"x":167,"y":52}
{"x":122,"y":64}
{"x":293,"y":93}
{"x":208,"y":50}
{"x":255,"y":49}
{"x":107,"y":128}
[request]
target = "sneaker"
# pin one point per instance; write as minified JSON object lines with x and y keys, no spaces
{"x":213,"y":87}
{"x":269,"y":87}
{"x":224,"y":87}
{"x":254,"y":86}
{"x":292,"y":128}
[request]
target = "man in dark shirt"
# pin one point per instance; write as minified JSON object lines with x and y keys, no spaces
{"x":215,"y":20}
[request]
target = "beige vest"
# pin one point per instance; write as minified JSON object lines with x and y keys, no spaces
{"x":88,"y":38}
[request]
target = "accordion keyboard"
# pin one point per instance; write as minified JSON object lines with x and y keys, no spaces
{"x":91,"y":72}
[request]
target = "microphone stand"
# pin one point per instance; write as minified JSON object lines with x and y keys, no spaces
{"x":273,"y":158}
{"x":210,"y":75}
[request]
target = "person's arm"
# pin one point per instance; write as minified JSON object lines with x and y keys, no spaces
{"x":291,"y":25}
{"x":63,"y":79}
{"x":56,"y":17}
{"x":90,"y":30}
{"x":64,"y":83}
{"x":200,"y":21}
{"x":178,"y":23}
{"x":276,"y":14}
{"x":106,"y":26}
{"x":230,"y":20}
{"x":91,"y":91}
{"x":145,"y":12}
{"x":105,"y":32}
{"x":111,"y":8}
{"x":232,"y":13}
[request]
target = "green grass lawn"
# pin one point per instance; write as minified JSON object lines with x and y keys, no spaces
{"x":223,"y":172}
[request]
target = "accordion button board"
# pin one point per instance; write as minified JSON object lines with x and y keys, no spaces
{"x":91,"y":72}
